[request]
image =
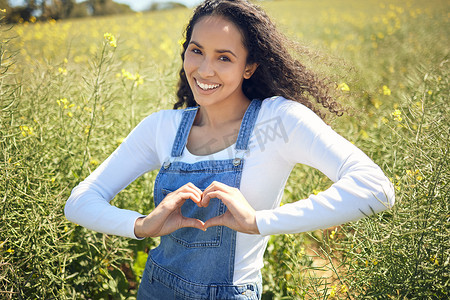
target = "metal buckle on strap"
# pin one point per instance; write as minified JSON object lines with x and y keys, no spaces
{"x":166,"y":164}
{"x":239,"y":157}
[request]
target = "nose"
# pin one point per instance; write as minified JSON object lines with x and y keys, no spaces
{"x":206,"y":68}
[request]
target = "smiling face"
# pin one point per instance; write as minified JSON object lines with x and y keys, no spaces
{"x":215,"y":62}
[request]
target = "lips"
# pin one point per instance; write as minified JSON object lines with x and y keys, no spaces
{"x":205,"y":86}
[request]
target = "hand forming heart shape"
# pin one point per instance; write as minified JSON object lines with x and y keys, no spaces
{"x":167,"y":216}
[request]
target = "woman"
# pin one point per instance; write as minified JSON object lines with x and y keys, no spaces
{"x":224,"y":161}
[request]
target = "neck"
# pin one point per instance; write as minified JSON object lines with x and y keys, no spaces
{"x":216,"y":116}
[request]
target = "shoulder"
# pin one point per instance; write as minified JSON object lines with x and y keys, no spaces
{"x":289,"y":111}
{"x":161,"y":120}
{"x":157,"y":124}
{"x":166,"y":115}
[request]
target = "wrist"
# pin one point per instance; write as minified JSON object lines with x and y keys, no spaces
{"x":255,"y":229}
{"x":138,"y":226}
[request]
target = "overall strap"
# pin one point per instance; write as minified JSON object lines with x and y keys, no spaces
{"x":247,"y":125}
{"x":183,"y":131}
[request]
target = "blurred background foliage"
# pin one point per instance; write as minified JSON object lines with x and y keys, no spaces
{"x":71,"y":90}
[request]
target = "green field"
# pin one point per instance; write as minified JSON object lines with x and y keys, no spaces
{"x":69,"y":95}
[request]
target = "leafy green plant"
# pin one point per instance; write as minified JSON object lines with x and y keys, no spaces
{"x":67,"y":100}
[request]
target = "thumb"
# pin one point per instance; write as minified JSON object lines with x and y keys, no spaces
{"x":191,"y":222}
{"x":216,"y":221}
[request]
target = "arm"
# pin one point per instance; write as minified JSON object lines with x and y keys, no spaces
{"x":88,"y":204}
{"x":360,"y":187}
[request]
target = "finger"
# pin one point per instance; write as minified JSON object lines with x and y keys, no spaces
{"x":225,"y":196}
{"x":194,"y":187}
{"x":176,"y":199}
{"x":215,"y":185}
{"x":183,"y":196}
{"x":190,"y":191}
{"x":211,"y":195}
{"x":217,"y":221}
{"x":194,"y":223}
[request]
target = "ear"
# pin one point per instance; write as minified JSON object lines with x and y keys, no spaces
{"x":249,"y":70}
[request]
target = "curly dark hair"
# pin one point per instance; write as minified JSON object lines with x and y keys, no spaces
{"x":278,"y":73}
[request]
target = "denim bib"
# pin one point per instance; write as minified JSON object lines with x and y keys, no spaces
{"x":191,"y":263}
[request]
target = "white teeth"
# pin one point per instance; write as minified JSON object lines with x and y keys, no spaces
{"x":206,"y":87}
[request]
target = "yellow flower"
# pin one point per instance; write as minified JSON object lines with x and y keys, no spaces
{"x":94,"y":162}
{"x":3,"y":10}
{"x":10,"y":250}
{"x":127,"y":75}
{"x":430,"y":92}
{"x":343,"y":87}
{"x":315,"y":192}
{"x":332,"y":235}
{"x":69,"y":114}
{"x":333,"y":291}
{"x":139,"y":80}
{"x":301,"y":252}
{"x":412,"y":174}
{"x":63,"y":101}
{"x":62,"y":71}
{"x":344,"y":289}
{"x":364,"y":134}
{"x":434,"y":260}
{"x":397,"y":115}
{"x":386,"y":90}
{"x":26,"y":130}
{"x":375,"y":102}
{"x":110,"y":39}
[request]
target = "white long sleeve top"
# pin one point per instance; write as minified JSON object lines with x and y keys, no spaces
{"x":286,"y":133}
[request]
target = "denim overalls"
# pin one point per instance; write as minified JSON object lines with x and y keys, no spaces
{"x":190,"y":263}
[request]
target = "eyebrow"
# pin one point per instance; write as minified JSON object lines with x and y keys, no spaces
{"x":218,"y":50}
